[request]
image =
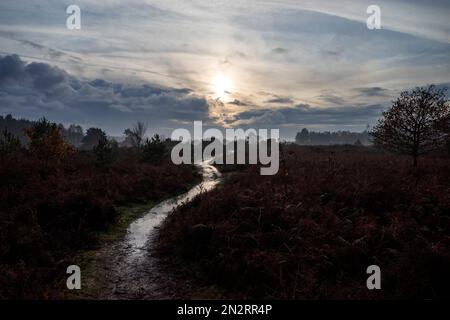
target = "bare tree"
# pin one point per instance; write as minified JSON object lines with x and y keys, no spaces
{"x":135,"y":136}
{"x":412,"y":125}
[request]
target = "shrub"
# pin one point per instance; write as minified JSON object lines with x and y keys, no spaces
{"x":105,"y":151}
{"x":48,"y":215}
{"x":311,"y":231}
{"x":47,"y":142}
{"x":153,"y":149}
{"x":8,"y":143}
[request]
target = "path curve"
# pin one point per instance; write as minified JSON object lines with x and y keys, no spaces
{"x":126,"y":269}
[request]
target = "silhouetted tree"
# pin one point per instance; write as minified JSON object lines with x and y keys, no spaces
{"x":74,"y":135}
{"x":92,"y":138}
{"x":105,"y":151}
{"x":153,"y":149}
{"x":16,"y":127}
{"x":8,"y":143}
{"x":135,"y":136}
{"x":411,"y":125}
{"x":47,"y":142}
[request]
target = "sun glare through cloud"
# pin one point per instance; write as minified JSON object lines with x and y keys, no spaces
{"x":222,"y":85}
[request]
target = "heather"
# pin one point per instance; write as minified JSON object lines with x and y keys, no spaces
{"x":311,"y":231}
{"x":55,"y":200}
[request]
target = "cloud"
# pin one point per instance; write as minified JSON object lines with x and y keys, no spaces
{"x":11,"y":68}
{"x":279,"y":51}
{"x":290,"y":47}
{"x":266,"y":118}
{"x":427,"y":19}
{"x":316,"y":51}
{"x":54,"y":54}
{"x":281,"y":100}
{"x":38,"y":89}
{"x":41,"y":76}
{"x":306,"y":115}
{"x":331,"y":53}
{"x":373,"y":91}
{"x":237,"y":102}
{"x":332,"y":99}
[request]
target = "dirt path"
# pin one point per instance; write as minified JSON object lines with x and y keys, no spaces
{"x":126,"y":269}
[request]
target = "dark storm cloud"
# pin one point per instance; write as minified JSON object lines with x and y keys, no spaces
{"x":40,"y":76}
{"x":44,"y":76}
{"x":38,"y":89}
{"x":11,"y":68}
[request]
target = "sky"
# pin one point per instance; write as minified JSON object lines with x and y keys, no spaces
{"x":260,"y":64}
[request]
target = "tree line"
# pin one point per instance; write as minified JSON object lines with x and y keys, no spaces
{"x":54,"y":140}
{"x":306,"y":137}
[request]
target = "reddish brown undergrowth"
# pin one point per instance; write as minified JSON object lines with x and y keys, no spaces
{"x":49,"y":210}
{"x":312,"y":230}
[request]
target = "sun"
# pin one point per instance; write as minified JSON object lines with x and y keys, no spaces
{"x":222,"y":85}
